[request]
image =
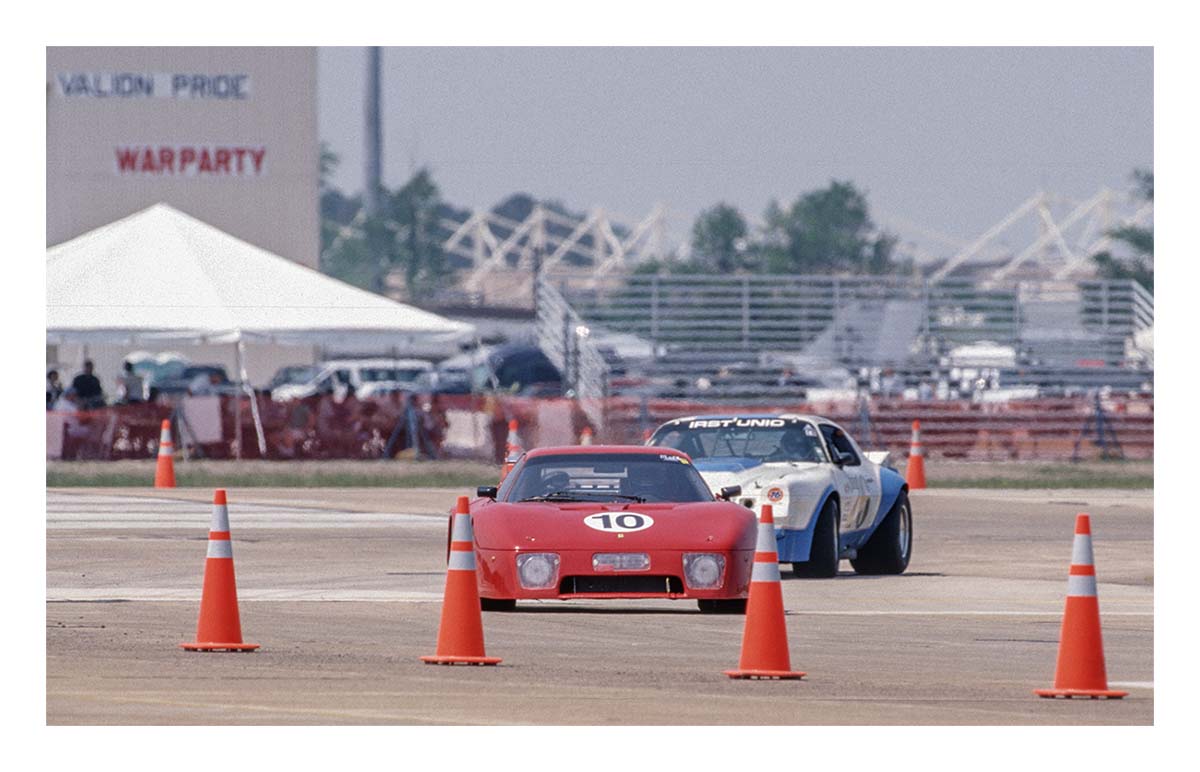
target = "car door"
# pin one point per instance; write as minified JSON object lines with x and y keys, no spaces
{"x":854,"y":481}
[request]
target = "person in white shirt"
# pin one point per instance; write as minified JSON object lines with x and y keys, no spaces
{"x":130,"y":386}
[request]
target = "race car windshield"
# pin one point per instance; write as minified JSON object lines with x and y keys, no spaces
{"x":620,"y":477}
{"x":786,"y":440}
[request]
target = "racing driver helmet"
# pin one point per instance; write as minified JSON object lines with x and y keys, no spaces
{"x":796,"y":446}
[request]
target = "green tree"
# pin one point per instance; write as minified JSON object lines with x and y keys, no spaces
{"x":826,"y":231}
{"x":405,"y":237}
{"x":720,"y":240}
{"x":413,"y":212}
{"x":1137,"y":262}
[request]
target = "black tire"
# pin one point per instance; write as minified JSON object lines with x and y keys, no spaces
{"x":497,"y":604}
{"x":889,"y":549}
{"x":825,"y":554}
{"x":722,"y":605}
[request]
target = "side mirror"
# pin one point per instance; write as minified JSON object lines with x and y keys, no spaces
{"x":844,"y":459}
{"x":729,"y":491}
{"x":487,"y":491}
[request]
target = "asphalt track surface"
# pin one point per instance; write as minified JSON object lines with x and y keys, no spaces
{"x":342,"y":588}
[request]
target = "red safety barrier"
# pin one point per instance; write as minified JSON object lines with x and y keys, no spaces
{"x":476,"y":426}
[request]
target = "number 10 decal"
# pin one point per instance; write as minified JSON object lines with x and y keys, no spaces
{"x":620,"y":522}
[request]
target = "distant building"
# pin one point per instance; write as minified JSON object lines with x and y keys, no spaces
{"x":228,"y":135}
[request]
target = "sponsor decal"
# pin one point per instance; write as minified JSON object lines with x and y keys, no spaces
{"x":676,"y":459}
{"x":190,"y":160}
{"x":618,"y":522}
{"x":741,"y":423}
{"x":775,"y":495}
{"x":221,"y":87}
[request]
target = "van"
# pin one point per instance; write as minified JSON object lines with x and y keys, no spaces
{"x":367,"y":377}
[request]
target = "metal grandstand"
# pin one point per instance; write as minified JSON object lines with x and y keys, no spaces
{"x":764,"y":337}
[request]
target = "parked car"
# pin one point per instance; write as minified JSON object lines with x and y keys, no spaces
{"x":292,"y":375}
{"x":367,"y":377}
{"x":618,"y":522}
{"x":832,"y":501}
{"x":514,"y":368}
{"x":186,"y":381}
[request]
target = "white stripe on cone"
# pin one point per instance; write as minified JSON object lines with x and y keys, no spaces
{"x":1081,"y":586}
{"x":1081,"y":550}
{"x":462,"y":560}
{"x":765,"y":572}
{"x":220,"y":518}
{"x":462,"y":529}
{"x":220,"y":548}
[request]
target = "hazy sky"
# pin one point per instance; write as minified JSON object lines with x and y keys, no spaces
{"x":948,"y":138}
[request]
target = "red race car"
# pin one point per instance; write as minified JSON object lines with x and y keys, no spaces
{"x":616,"y":521}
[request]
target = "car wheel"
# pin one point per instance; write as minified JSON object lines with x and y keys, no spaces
{"x":890,"y":548}
{"x":825,"y":555}
{"x":497,"y":604}
{"x":722,"y":605}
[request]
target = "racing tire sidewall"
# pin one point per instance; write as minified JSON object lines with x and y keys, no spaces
{"x":824,"y":555}
{"x":886,"y":552}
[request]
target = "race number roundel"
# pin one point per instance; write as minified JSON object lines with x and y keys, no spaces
{"x":618,"y":522}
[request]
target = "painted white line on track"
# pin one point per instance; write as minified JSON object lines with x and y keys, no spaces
{"x":1132,"y":684}
{"x":952,"y":613}
{"x":89,"y":520}
{"x":171,"y":594}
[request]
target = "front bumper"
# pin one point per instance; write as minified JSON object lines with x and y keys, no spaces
{"x":497,"y":571}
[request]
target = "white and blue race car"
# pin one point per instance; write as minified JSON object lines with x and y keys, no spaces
{"x":830,"y":500}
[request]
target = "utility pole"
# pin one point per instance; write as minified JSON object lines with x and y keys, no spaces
{"x":373,"y":182}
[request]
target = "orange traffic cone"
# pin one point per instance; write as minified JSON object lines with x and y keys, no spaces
{"x":219,"y":628}
{"x":164,"y":472}
{"x":585,"y":436}
{"x":512,"y":450}
{"x":914,"y":475}
{"x":460,"y":635}
{"x":1080,"y":671}
{"x":764,"y":640}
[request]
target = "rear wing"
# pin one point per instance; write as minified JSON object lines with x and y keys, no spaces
{"x":880,"y":457}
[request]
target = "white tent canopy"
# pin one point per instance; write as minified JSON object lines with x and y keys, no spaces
{"x":162,"y":276}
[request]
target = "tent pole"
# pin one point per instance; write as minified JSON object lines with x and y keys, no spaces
{"x":237,"y":405}
{"x":259,"y":433}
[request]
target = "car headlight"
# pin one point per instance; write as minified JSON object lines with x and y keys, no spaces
{"x":537,"y":570}
{"x":703,"y":570}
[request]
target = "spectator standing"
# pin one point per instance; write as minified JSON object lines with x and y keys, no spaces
{"x":88,"y":392}
{"x":130,"y":387}
{"x":54,"y":389}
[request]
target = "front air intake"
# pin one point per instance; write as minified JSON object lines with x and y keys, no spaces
{"x":614,"y":584}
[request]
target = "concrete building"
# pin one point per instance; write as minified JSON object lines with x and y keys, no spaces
{"x":228,"y":135}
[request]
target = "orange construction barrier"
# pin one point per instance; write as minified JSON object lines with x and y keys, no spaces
{"x":1080,"y":671}
{"x":914,"y":474}
{"x":219,"y":628}
{"x":164,"y":472}
{"x":764,"y":640}
{"x":460,"y":634}
{"x":512,"y":450}
{"x":585,"y":436}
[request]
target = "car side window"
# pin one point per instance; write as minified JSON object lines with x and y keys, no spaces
{"x":837,"y":440}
